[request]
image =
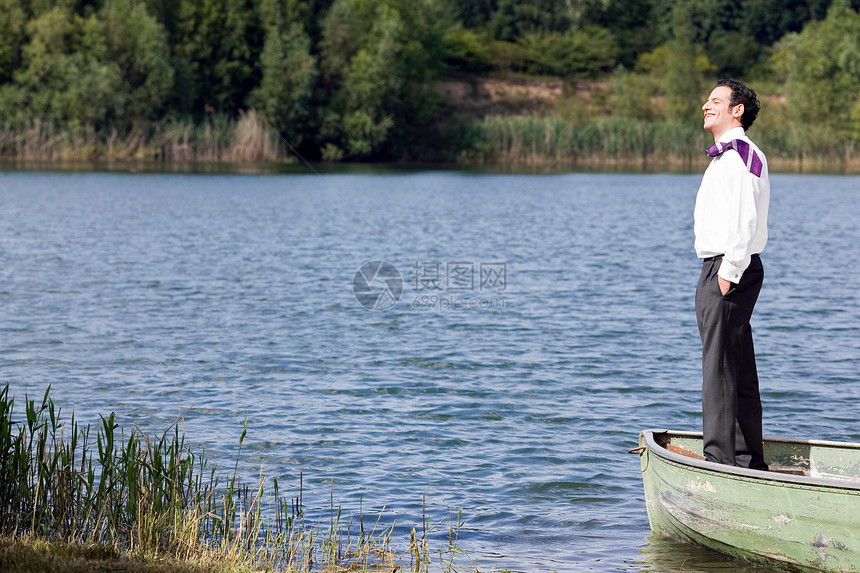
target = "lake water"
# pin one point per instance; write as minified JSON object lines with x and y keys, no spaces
{"x":542,"y":322}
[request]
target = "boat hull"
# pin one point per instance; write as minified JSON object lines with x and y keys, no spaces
{"x":797,"y":521}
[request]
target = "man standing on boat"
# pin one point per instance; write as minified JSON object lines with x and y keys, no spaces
{"x":731,"y":230}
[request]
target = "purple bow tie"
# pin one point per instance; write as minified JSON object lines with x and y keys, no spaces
{"x":750,"y":158}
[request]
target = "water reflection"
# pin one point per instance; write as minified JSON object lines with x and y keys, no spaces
{"x":665,"y":555}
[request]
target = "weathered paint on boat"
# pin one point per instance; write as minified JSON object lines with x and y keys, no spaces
{"x":804,"y":514}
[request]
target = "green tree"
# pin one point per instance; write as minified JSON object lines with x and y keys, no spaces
{"x":733,"y":53}
{"x":475,"y":13}
{"x":65,"y":76}
{"x":379,"y":59}
{"x":288,"y":71}
{"x":424,"y":24}
{"x":166,"y":12}
{"x":13,"y":21}
{"x":515,"y":18}
{"x":467,"y":50}
{"x":574,"y":54}
{"x":769,"y":20}
{"x":137,"y":44}
{"x":632,"y":23}
{"x":682,"y":84}
{"x":370,"y":80}
{"x":218,"y":46}
{"x":720,"y":27}
{"x":633,"y":95}
{"x":38,"y":8}
{"x":340,"y":31}
{"x":738,"y":34}
{"x":824,"y":68}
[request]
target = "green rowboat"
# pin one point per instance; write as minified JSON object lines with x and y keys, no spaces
{"x":803,"y":514}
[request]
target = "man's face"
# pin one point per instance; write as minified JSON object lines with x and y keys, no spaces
{"x":719,"y":115}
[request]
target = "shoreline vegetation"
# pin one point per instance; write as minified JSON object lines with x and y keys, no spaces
{"x":77,"y":499}
{"x":615,"y":84}
{"x":249,"y":143}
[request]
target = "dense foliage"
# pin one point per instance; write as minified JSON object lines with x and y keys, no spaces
{"x":358,"y":79}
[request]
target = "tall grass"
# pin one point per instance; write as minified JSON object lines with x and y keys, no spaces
{"x":154,"y":496}
{"x":509,"y":139}
{"x":217,"y":138}
{"x":612,"y":141}
{"x":540,"y":140}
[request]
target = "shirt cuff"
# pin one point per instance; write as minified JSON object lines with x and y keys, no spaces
{"x":730,"y":271}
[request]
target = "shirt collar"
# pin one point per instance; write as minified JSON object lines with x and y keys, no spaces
{"x":733,"y":133}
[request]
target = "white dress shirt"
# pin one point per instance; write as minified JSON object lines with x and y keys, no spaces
{"x":731,"y":210}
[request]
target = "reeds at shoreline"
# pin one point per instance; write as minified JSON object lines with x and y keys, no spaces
{"x":646,"y":145}
{"x":216,"y":138}
{"x":524,"y":140}
{"x":153,"y":496}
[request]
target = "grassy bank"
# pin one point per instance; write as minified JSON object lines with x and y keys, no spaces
{"x":26,"y":554}
{"x":74,"y":497}
{"x":647,"y":145}
{"x":549,"y":136}
{"x":604,"y":141}
{"x":524,"y":140}
{"x":216,"y":138}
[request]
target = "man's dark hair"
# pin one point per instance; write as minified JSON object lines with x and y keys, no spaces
{"x":741,"y":94}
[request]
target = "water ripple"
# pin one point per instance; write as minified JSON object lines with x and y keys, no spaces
{"x":221,"y":297}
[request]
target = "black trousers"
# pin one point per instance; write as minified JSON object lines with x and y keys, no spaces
{"x":731,"y":405}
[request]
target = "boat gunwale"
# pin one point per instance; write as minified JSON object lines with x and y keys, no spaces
{"x":829,"y":483}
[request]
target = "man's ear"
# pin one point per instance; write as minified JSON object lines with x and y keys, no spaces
{"x":738,"y":111}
